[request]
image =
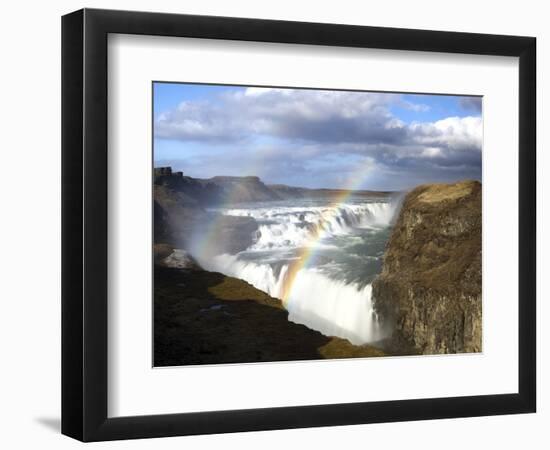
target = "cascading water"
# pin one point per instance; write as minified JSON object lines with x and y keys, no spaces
{"x":319,"y":257}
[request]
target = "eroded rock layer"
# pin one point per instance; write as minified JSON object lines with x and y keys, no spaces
{"x":430,"y":285}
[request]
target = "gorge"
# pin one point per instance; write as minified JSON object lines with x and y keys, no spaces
{"x":338,"y":273}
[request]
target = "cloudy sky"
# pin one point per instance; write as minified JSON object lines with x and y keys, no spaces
{"x":317,"y":138}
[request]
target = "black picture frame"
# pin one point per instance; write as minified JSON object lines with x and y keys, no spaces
{"x":84,"y":224}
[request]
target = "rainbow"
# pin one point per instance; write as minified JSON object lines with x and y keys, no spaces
{"x":206,"y":235}
{"x":308,"y":251}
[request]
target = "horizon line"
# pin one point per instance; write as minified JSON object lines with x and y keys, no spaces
{"x":314,"y":188}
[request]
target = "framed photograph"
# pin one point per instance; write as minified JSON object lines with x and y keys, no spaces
{"x":272,"y":224}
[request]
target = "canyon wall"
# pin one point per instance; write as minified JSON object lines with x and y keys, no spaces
{"x":430,"y":285}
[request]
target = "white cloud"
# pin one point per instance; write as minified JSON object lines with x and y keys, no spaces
{"x":328,"y":116}
{"x":431,"y":152}
{"x":327,"y":126}
{"x":456,"y":133}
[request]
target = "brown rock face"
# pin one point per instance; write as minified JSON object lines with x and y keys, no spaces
{"x":430,"y":285}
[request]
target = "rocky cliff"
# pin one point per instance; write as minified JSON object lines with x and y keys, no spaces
{"x":184,"y":224}
{"x":191,"y":191}
{"x":430,"y":285}
{"x":216,"y":190}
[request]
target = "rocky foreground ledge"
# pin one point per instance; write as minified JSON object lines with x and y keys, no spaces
{"x":430,"y":285}
{"x":205,"y":317}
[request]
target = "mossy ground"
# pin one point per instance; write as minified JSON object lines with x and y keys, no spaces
{"x":207,"y":318}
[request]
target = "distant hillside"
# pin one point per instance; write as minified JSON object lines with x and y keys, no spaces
{"x":189,"y":191}
{"x":286,"y":192}
{"x":232,"y":190}
{"x":243,"y":189}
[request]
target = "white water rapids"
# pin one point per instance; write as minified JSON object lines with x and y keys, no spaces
{"x":330,"y":291}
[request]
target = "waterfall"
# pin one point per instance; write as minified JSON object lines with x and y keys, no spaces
{"x":318,"y":298}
